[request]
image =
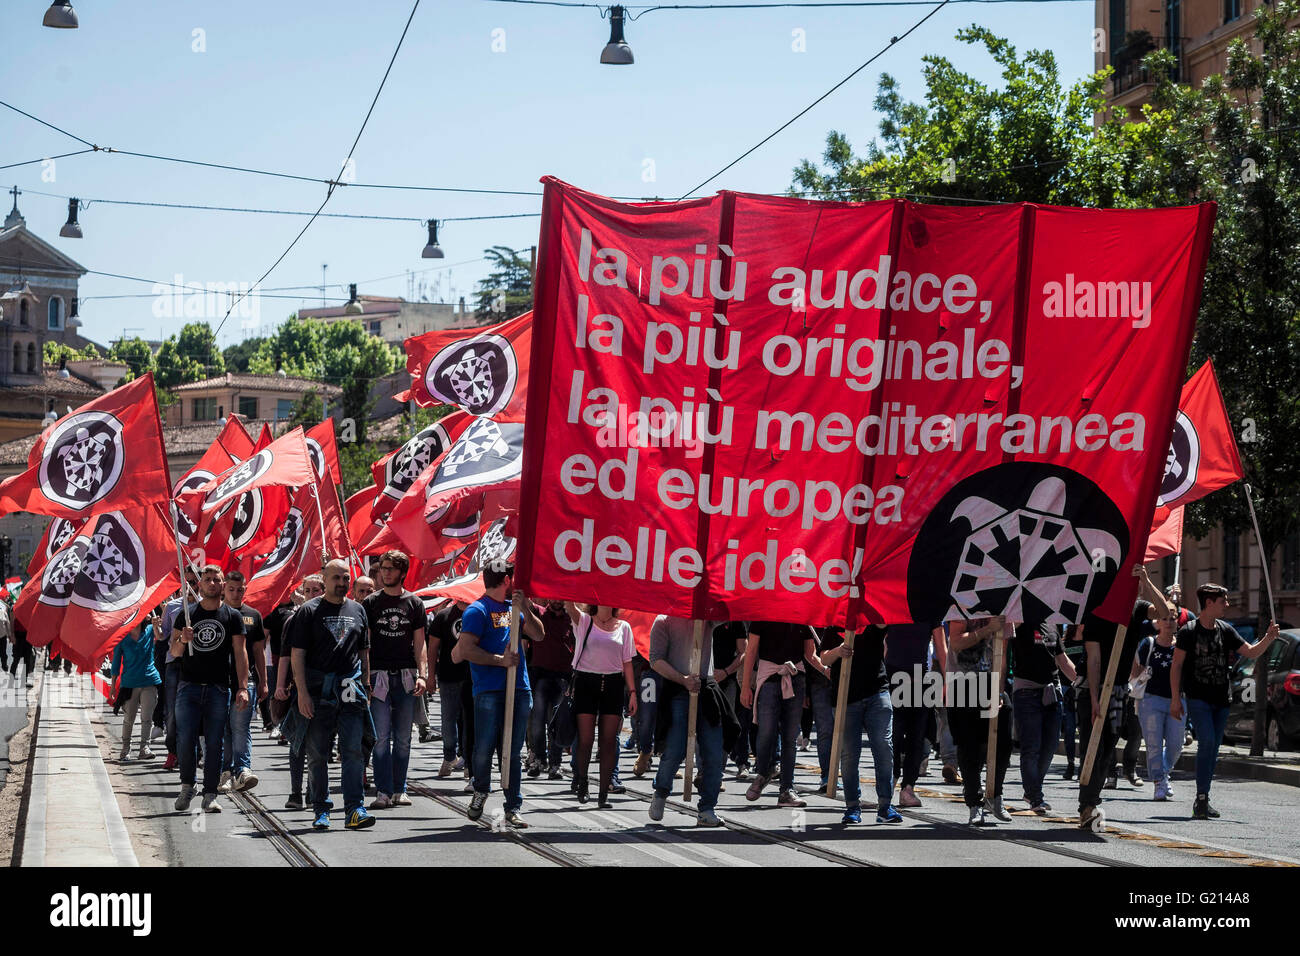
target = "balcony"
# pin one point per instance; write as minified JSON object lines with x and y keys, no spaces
{"x":1127,"y":61}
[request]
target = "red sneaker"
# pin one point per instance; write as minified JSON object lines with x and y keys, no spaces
{"x":170,"y":762}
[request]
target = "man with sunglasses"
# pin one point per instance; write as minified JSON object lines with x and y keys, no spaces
{"x":399,"y":673}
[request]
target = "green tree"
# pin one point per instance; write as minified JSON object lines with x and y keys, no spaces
{"x":190,"y":356}
{"x":307,"y":411}
{"x":1027,"y":139}
{"x":137,"y":355}
{"x":508,"y":289}
{"x":54,"y":352}
{"x":238,"y":355}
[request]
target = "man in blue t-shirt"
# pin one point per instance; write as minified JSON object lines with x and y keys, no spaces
{"x":485,"y":643}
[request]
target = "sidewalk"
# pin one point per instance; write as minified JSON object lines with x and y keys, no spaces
{"x":72,"y":817}
{"x":1281,"y":766}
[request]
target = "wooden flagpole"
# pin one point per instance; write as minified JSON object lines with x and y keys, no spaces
{"x":692,"y":713}
{"x":506,"y":730}
{"x":1103,"y":705}
{"x":991,"y":761}
{"x":180,"y":563}
{"x":841,"y":707}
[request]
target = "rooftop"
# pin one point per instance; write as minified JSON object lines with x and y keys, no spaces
{"x":268,"y":383}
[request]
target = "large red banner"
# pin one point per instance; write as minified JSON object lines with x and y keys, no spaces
{"x":755,"y":407}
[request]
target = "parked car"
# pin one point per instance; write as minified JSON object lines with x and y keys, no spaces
{"x":1283,"y":721}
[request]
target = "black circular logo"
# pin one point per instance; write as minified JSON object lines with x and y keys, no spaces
{"x":1183,"y":461}
{"x":185,"y":528}
{"x":317,"y":457}
{"x":240,"y":477}
{"x":1038,"y":543}
{"x":102,"y":570}
{"x":82,"y":460}
{"x":248,"y":519}
{"x":487,"y":451}
{"x":209,"y":635}
{"x":62,"y":530}
{"x":293,"y":533}
{"x":406,"y":464}
{"x":478,"y":374}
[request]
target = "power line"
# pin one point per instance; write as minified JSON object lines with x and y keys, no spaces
{"x":44,"y":159}
{"x":330,"y":191}
{"x":806,"y":109}
{"x":644,"y":9}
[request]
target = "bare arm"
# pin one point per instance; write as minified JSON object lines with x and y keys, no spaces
{"x":969,"y":638}
{"x":1253,"y":651}
{"x":1066,"y":667}
{"x":812,"y":657}
{"x":575,"y":615}
{"x":469,"y":650}
{"x":747,"y":674}
{"x":528,"y":619}
{"x":300,"y":682}
{"x":421,"y":662}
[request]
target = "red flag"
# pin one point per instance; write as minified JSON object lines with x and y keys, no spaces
{"x":464,"y":582}
{"x":362,"y":526}
{"x":283,"y":462}
{"x":296,"y":554}
{"x":879,"y":411}
{"x":487,"y":457}
{"x":235,"y":440}
{"x":1203,"y":451}
{"x":1166,"y":536}
{"x":482,"y":371}
{"x":57,"y":533}
{"x":324,"y":449}
{"x":93,"y":589}
{"x":396,"y":472}
{"x":79,"y":464}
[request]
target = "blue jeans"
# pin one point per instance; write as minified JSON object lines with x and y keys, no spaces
{"x":708,"y":752}
{"x":209,"y":704}
{"x":239,"y":734}
{"x":1163,"y":735}
{"x":778,"y":716}
{"x":489,"y":722}
{"x":1211,"y":721}
{"x":875,"y":716}
{"x":649,"y":686}
{"x":171,"y":681}
{"x":823,"y":715}
{"x":330,"y":715}
{"x":393,"y":719}
{"x":1040,"y":731}
{"x":449,"y":706}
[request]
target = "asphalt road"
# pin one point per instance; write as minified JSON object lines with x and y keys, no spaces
{"x":434,"y":830}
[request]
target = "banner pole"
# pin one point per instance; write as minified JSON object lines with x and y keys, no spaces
{"x":1103,"y":705}
{"x":841,"y":707}
{"x":1259,"y":543}
{"x":1178,"y":571}
{"x":991,"y":762}
{"x":320,"y":517}
{"x":692,"y":713}
{"x":510,"y":693}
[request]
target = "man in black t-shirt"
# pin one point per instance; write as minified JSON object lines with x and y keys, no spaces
{"x":1037,"y":659}
{"x":1204,"y":651}
{"x":208,"y":640}
{"x":330,"y":637}
{"x":399,"y":674}
{"x":452,"y":682}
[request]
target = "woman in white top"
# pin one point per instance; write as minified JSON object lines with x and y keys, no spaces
{"x":602,"y":670}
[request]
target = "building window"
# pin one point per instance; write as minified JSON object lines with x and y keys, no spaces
{"x":1231,"y":560}
{"x":248,"y":406}
{"x":375,"y":327}
{"x":203,"y":409}
{"x":55,"y":310}
{"x":18,"y":358}
{"x":1231,"y":10}
{"x":283,"y":408}
{"x":33,"y":365}
{"x":1118,"y":20}
{"x":22,"y":313}
{"x":1291,"y":561}
{"x":1167,"y":570}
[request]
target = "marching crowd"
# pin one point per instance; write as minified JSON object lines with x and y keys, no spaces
{"x":346,"y":670}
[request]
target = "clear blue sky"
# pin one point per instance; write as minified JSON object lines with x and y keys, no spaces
{"x":285,"y":86}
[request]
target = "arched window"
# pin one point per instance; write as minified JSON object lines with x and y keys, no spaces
{"x":55,"y":311}
{"x":18,"y":358}
{"x":33,"y":365}
{"x":22,"y":312}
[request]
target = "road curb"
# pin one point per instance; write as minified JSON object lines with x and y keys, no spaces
{"x":1239,"y":767}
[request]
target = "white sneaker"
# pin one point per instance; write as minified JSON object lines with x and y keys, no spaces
{"x":708,"y":818}
{"x":247,"y":780}
{"x":145,"y":755}
{"x":183,"y":799}
{"x":657,"y":804}
{"x":400,"y":800}
{"x":124,"y":757}
{"x":224,"y":785}
{"x":976,"y":817}
{"x":211,"y":804}
{"x":995,"y":807}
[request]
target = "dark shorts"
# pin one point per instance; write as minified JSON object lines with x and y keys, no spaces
{"x":599,"y":694}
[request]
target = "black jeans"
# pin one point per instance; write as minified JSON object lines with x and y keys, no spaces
{"x":910,"y":724}
{"x":1104,"y":766}
{"x":970,"y":732}
{"x":548,"y":688}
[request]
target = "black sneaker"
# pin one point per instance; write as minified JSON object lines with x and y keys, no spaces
{"x":1201,"y":809}
{"x":535,"y":769}
{"x":554,"y":774}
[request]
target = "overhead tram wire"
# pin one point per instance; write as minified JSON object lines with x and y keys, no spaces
{"x":644,"y":9}
{"x":330,"y":191}
{"x":893,"y":41}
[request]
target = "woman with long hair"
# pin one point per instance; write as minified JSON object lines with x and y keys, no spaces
{"x":602,"y":670}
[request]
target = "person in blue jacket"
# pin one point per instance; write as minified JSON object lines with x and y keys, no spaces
{"x":133,"y":661}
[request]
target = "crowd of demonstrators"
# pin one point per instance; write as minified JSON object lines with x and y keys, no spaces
{"x":134,"y":669}
{"x":1202,"y":669}
{"x":602,"y":670}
